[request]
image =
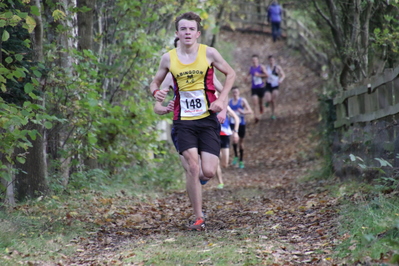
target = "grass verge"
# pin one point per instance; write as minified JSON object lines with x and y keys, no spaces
{"x":368,"y":224}
{"x":49,"y":228}
{"x":195,"y":248}
{"x":39,"y":230}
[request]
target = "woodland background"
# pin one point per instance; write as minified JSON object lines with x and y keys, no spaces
{"x":80,"y":149}
{"x":74,"y":77}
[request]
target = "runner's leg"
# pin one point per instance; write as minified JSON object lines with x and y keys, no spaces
{"x":274,"y":97}
{"x":193,"y":185}
{"x":255,"y":102}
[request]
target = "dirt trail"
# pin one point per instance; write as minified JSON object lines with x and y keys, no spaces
{"x":292,"y":221}
{"x":278,"y":153}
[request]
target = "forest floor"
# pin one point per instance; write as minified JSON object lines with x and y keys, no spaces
{"x":293,"y":219}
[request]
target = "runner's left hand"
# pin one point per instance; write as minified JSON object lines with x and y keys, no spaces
{"x":222,"y":116}
{"x":216,"y":106}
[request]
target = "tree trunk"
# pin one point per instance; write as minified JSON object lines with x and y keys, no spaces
{"x":218,"y":18}
{"x":85,"y":24}
{"x":85,"y":36}
{"x":58,"y":161}
{"x":9,"y":198}
{"x":31,"y":179}
{"x":8,"y":183}
{"x":349,"y":22}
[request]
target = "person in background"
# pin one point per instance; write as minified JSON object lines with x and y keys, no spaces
{"x":225,"y":132}
{"x":276,"y":75}
{"x":274,"y":14}
{"x":241,"y":107}
{"x":257,"y":72}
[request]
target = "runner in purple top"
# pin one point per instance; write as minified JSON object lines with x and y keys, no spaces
{"x":257,"y":73}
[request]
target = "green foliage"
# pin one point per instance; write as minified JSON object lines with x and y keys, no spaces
{"x":387,"y":34}
{"x":95,"y":179}
{"x":100,"y":108}
{"x":107,"y":104}
{"x":371,"y":229}
{"x":387,"y":181}
{"x":324,"y":133}
{"x":370,"y":220}
{"x":19,"y":87}
{"x":165,"y":173}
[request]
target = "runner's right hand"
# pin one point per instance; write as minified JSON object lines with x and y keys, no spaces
{"x":170,"y":106}
{"x":161,"y":94}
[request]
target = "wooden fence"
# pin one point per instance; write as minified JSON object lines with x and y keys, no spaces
{"x":366,"y":123}
{"x":251,"y":16}
{"x":300,"y":38}
{"x":376,"y":98}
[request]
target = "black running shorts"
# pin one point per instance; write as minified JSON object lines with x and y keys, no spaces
{"x":203,"y":134}
{"x":241,"y":130}
{"x":174,"y":138}
{"x":269,"y":88}
{"x":224,"y":142}
{"x":260,"y":92}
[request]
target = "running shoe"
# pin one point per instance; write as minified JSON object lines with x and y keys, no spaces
{"x":203,"y":182}
{"x":221,"y":186}
{"x":235,"y":161}
{"x":241,"y":165}
{"x":198,"y":225}
{"x":273,"y":117}
{"x":256,"y":120}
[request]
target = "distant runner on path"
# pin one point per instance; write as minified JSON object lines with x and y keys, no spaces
{"x":257,"y":73}
{"x":241,"y":107}
{"x":225,"y":132}
{"x":274,"y":14}
{"x":275,"y":77}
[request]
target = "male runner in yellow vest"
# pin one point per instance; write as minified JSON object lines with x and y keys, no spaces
{"x":195,"y":107}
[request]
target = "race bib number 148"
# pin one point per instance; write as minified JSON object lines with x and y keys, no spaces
{"x":192,"y":103}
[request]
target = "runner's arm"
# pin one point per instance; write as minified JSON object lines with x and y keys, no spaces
{"x":247,"y":107}
{"x":236,"y":118}
{"x":236,"y":123}
{"x":160,"y":109}
{"x":163,"y":70}
{"x":221,"y":116}
{"x":264,"y":74}
{"x":281,"y":73}
{"x":217,"y":61}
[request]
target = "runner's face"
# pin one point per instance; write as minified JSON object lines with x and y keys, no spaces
{"x":187,"y":32}
{"x":236,"y":93}
{"x":255,"y":61}
{"x":272,"y":61}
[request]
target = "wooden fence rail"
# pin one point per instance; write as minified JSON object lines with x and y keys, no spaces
{"x":375,"y":98}
{"x":367,"y":125}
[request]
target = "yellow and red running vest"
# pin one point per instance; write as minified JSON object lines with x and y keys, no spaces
{"x":194,"y":88}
